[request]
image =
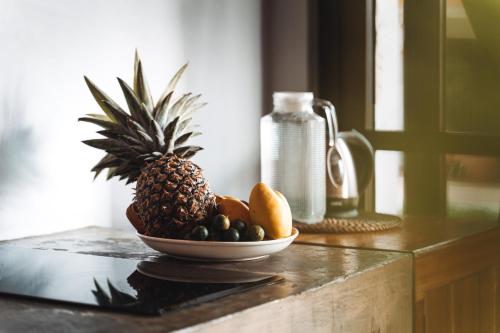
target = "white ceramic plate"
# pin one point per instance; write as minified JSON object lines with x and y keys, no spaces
{"x":217,"y":251}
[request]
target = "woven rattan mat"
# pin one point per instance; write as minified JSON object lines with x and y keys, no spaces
{"x":363,"y":222}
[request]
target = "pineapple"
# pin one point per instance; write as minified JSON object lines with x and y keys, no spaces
{"x":149,"y":145}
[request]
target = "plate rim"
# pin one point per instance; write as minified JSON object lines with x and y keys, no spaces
{"x":295,"y":233}
{"x":216,"y":260}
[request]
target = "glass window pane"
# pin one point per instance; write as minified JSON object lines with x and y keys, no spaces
{"x":472,"y":67}
{"x":389,"y":182}
{"x":473,"y":186}
{"x":389,"y":65}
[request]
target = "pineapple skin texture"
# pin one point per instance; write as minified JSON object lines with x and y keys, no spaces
{"x":172,"y":197}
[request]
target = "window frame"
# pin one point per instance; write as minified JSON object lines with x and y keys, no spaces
{"x":344,"y":69}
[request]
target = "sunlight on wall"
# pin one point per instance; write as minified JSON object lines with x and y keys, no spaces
{"x":389,"y":114}
{"x":389,"y":102}
{"x":389,"y":182}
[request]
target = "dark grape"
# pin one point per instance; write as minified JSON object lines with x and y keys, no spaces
{"x":199,"y":233}
{"x":239,"y":225}
{"x":231,"y":235}
{"x":221,"y":222}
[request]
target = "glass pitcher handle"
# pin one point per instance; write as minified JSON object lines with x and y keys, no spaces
{"x":334,"y":163}
{"x":331,"y":119}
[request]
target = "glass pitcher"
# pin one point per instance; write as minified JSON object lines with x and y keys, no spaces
{"x":293,"y":150}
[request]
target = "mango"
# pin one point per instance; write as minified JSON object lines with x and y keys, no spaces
{"x":231,"y":197}
{"x":134,"y":218}
{"x":270,"y":209}
{"x":218,"y":198}
{"x":234,"y":209}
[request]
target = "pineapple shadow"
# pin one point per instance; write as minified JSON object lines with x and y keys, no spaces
{"x":17,"y":146}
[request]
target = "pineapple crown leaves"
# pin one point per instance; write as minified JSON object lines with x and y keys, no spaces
{"x":147,"y":131}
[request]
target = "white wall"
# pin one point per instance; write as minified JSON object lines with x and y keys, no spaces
{"x":45,"y":183}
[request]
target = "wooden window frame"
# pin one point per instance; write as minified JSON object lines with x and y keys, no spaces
{"x":344,"y":73}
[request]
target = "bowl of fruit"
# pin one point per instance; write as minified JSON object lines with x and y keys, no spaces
{"x":174,"y":210}
{"x":236,"y":230}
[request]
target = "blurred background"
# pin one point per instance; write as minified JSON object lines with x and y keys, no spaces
{"x":467,"y":74}
{"x":420,"y":79}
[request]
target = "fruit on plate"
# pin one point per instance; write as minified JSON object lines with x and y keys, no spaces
{"x":199,"y":232}
{"x":219,"y":228}
{"x":231,"y":235}
{"x":230,"y":197}
{"x":239,"y":225}
{"x":234,"y":209}
{"x":256,"y":232}
{"x":221,"y":223}
{"x":149,"y":145}
{"x":270,"y":209}
{"x":219,"y":198}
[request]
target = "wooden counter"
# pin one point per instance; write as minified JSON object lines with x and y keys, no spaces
{"x":326,"y":290}
{"x":456,"y":269}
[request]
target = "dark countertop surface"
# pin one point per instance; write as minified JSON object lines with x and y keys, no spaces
{"x":304,"y":267}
